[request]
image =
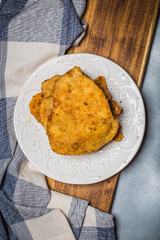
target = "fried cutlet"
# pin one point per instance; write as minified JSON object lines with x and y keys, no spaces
{"x":45,"y":109}
{"x":116,"y":109}
{"x":41,"y":103}
{"x":101,"y":83}
{"x":48,"y":85}
{"x":81,"y":120}
{"x":47,"y":104}
{"x":35,"y":105}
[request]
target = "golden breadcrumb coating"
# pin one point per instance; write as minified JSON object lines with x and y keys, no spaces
{"x":77,"y":112}
{"x":81,"y":120}
{"x":35,"y":105}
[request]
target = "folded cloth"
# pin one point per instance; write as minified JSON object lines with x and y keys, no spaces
{"x":32,"y":32}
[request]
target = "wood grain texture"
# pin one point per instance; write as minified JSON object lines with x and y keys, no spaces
{"x":100,"y":195}
{"x":121,"y":30}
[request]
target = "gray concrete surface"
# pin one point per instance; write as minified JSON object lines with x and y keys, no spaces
{"x":136,"y":205}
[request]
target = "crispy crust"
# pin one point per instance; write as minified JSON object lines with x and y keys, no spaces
{"x":81,"y":120}
{"x":101,"y":83}
{"x":48,"y":85}
{"x":35,"y":105}
{"x":77,"y":112}
{"x":46,"y":107}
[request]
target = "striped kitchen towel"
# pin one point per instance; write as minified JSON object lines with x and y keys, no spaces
{"x":31,"y":33}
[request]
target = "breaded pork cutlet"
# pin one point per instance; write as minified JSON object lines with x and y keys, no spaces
{"x":81,"y":120}
{"x":76,"y":113}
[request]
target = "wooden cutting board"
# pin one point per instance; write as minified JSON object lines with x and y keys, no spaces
{"x":122,"y":31}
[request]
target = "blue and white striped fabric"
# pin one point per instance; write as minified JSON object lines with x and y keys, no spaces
{"x":32,"y":32}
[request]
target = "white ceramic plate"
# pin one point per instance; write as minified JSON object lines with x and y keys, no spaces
{"x":90,"y":168}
